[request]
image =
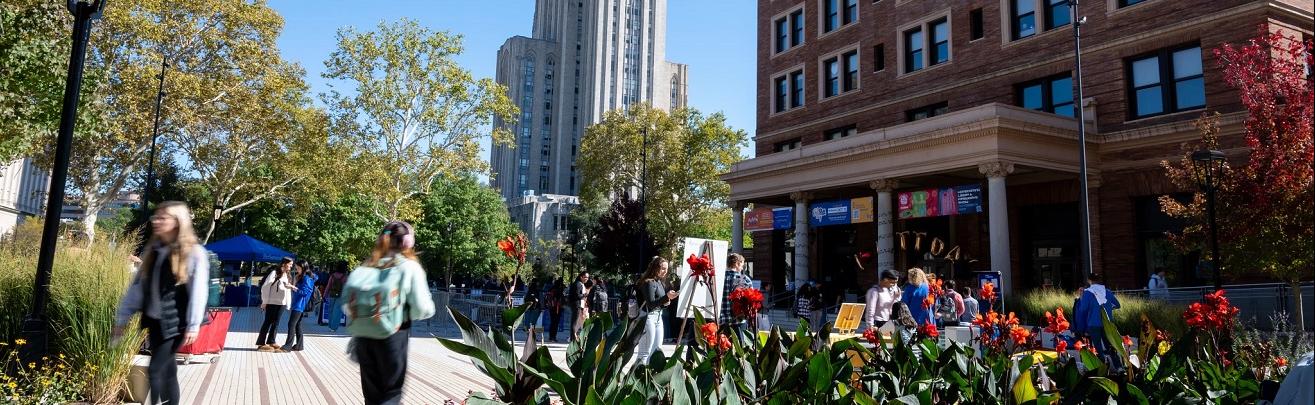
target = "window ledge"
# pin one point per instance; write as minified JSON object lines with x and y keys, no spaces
{"x":787,"y":50}
{"x":778,"y":114}
{"x":937,"y":66}
{"x":841,"y":95}
{"x":1194,"y":110}
{"x":1047,"y":33}
{"x":821,"y":35}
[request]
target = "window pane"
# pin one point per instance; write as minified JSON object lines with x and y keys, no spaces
{"x":940,"y":31}
{"x":1187,"y":63}
{"x":797,"y":98}
{"x":1026,"y":25}
{"x":781,"y":92}
{"x":914,"y":40}
{"x":915,"y":61}
{"x":797,"y":30}
{"x":832,"y":15}
{"x":1149,"y":101}
{"x":1061,"y":91}
{"x":1058,"y":13}
{"x":942,"y":53}
{"x":1065,"y":110}
{"x":1023,"y":7}
{"x":782,"y":35}
{"x":1031,"y":96}
{"x":1190,"y":93}
{"x":913,"y":45}
{"x":1145,"y":72}
{"x":851,"y":11}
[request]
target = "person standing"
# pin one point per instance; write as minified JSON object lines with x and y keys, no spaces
{"x":555,"y":309}
{"x":170,"y":292}
{"x":1158,"y":287}
{"x":333,"y":293}
{"x":970,"y":308}
{"x":803,"y":305}
{"x":949,"y":306}
{"x":915,"y":292}
{"x":381,"y":330}
{"x":817,"y":307}
{"x":598,"y":298}
{"x":735,"y":278}
{"x":652,"y":302}
{"x":531,"y":317}
{"x":275,"y":295}
{"x":1087,"y":321}
{"x":579,"y":303}
{"x":881,"y":298}
{"x":304,"y":281}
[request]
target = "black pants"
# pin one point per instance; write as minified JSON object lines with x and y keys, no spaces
{"x":294,"y":330}
{"x":162,"y":371}
{"x":554,"y":321}
{"x":383,"y":367}
{"x":269,"y":329}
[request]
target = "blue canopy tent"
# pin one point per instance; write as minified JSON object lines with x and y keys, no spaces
{"x":244,"y":248}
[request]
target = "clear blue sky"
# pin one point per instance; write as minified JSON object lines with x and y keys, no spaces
{"x":716,"y":38}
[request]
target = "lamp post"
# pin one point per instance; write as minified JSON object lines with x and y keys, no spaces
{"x":150,"y":160}
{"x":36,"y":326}
{"x":1084,"y":200}
{"x":643,"y":196}
{"x":1207,"y":166}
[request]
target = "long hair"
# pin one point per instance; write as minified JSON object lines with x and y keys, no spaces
{"x":396,"y":238}
{"x":299,"y":270}
{"x":917,"y":277}
{"x":179,"y":249}
{"x":654,"y":267}
{"x":277,"y":271}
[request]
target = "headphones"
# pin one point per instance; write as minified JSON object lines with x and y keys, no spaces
{"x":408,"y":237}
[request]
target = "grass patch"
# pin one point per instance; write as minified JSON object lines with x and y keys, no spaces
{"x":1032,"y":306}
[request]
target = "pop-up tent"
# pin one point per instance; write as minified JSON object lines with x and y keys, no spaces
{"x":244,"y":248}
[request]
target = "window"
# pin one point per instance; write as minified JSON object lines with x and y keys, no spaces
{"x":1165,"y":82}
{"x":975,"y":28}
{"x":831,"y":68}
{"x":830,"y":15}
{"x":913,"y":50}
{"x":1057,"y":14}
{"x":851,"y":12}
{"x":786,"y":145}
{"x":788,"y":91}
{"x":1022,"y":18}
{"x":781,"y":92}
{"x":926,"y":112}
{"x":1052,"y":94}
{"x":940,"y":41}
{"x":789,"y":31}
{"x":879,"y":58}
{"x":782,"y":35}
{"x":797,"y":27}
{"x":797,"y":89}
{"x":1125,"y":3}
{"x":842,"y":132}
{"x":850,"y":81}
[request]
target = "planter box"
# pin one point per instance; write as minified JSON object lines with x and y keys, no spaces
{"x":138,"y":386}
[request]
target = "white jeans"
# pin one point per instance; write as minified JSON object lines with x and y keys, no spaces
{"x":651,"y":341}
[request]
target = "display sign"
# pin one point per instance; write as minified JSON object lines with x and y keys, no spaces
{"x":938,"y":202}
{"x":860,"y":210}
{"x":758,"y":219}
{"x":783,"y":218}
{"x":824,"y":213}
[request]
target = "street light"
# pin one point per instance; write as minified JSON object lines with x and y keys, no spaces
{"x":150,"y":160}
{"x":36,"y":326}
{"x":643,"y":196}
{"x":1207,"y":166}
{"x":1084,"y":203}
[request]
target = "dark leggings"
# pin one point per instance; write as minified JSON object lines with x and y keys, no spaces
{"x":162,"y":372}
{"x":294,"y":330}
{"x":269,"y":329}
{"x":383,"y":367}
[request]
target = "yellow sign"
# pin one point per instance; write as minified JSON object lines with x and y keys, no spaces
{"x":860,"y":210}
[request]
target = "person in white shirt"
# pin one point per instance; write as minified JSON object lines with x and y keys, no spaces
{"x":1159,"y":288}
{"x":970,"y":306}
{"x":881,"y":297}
{"x":275,"y":295}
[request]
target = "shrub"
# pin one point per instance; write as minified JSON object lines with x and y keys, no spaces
{"x":1032,"y":306}
{"x":86,"y":285}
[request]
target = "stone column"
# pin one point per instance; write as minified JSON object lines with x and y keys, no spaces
{"x":737,"y":227}
{"x":997,"y":209}
{"x":885,"y":223}
{"x":800,"y":236}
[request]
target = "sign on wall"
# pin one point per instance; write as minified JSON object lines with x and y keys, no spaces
{"x":768,"y":218}
{"x":840,"y":212}
{"x":783,"y":218}
{"x":939,"y":202}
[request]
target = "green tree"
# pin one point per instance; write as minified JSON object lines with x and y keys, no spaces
{"x":462,"y":223}
{"x":33,"y":53}
{"x":686,"y":154}
{"x":410,"y":111}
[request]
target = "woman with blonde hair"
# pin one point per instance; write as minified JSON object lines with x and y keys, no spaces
{"x":915,"y":293}
{"x":170,"y":293}
{"x":652,"y":300}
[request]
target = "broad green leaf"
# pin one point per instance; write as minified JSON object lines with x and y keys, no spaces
{"x":1107,"y":385}
{"x":1024,"y":390}
{"x":1112,"y":336}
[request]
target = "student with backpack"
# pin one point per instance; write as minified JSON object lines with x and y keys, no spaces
{"x":275,"y":295}
{"x":381,"y":298}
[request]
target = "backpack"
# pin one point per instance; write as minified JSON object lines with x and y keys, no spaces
{"x":633,"y":304}
{"x":375,"y":300}
{"x":945,"y":309}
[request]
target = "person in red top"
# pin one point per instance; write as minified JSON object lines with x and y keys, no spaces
{"x":332,"y":291}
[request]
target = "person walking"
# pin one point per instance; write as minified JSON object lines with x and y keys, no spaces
{"x":275,"y":296}
{"x":735,"y":278}
{"x":817,"y":307}
{"x":333,"y":294}
{"x":652,"y":302}
{"x":381,"y":329}
{"x":803,"y":304}
{"x":1087,"y":321}
{"x":881,"y":297}
{"x":579,"y":303}
{"x":555,"y":309}
{"x":169,"y":290}
{"x":970,"y":308}
{"x":1158,"y":287}
{"x":598,"y":297}
{"x":949,"y":306}
{"x":304,"y":281}
{"x":915,"y":293}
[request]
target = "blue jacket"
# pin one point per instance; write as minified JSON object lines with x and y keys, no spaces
{"x":305,"y":288}
{"x":1086,"y":312}
{"x":912,"y":297}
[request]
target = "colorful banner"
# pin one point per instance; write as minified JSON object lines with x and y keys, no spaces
{"x":860,"y":210}
{"x":783,"y":218}
{"x":824,"y":213}
{"x":938,"y":202}
{"x":758,"y":219}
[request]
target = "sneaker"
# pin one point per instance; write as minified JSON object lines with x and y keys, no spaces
{"x":275,"y":347}
{"x":266,"y":348}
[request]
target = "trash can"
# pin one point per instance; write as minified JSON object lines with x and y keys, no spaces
{"x":215,"y":296}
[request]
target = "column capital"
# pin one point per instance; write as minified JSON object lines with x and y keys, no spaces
{"x":737,"y":205}
{"x":886,"y":185}
{"x":999,"y":168}
{"x":801,"y":196}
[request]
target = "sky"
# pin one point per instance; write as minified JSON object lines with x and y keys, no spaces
{"x":715,"y":38}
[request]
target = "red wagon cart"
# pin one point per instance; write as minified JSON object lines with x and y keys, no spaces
{"x":210,"y":342}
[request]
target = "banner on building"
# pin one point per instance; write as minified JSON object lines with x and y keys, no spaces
{"x":783,"y":218}
{"x":938,"y":202}
{"x":860,"y":210}
{"x":758,"y":219}
{"x":840,"y":212}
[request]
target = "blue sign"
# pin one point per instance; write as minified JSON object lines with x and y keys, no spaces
{"x":968,"y":199}
{"x":783,"y":218}
{"x":825,"y":213}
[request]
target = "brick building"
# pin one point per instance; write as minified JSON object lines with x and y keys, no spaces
{"x":939,"y":134}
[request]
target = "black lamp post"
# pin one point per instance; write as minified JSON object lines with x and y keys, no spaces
{"x":643,"y":197}
{"x":150,"y":160}
{"x":1084,"y":203}
{"x":36,"y":326}
{"x":1207,"y":166}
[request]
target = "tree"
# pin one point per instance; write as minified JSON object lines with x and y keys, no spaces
{"x":33,"y":53}
{"x":614,"y":239}
{"x":318,"y":228}
{"x":462,"y":223}
{"x":1265,"y":205}
{"x":410,"y":111}
{"x":686,"y":154}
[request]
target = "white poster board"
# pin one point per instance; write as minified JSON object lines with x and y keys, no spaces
{"x":695,"y":296}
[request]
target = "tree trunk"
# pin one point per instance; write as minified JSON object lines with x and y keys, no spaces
{"x":214,"y":222}
{"x":89,"y":225}
{"x":1299,"y":311}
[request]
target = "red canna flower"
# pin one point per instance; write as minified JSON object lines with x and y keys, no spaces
{"x":873,"y":336}
{"x":988,"y":292}
{"x":1061,"y":347}
{"x":929,"y":301}
{"x":724,"y":343}
{"x":1019,"y":335}
{"x":1213,"y":314}
{"x":1079,"y":345}
{"x":700,"y":266}
{"x":1280,"y":362}
{"x":1056,"y":323}
{"x":746,"y":302}
{"x":1127,"y":342}
{"x":929,"y":330}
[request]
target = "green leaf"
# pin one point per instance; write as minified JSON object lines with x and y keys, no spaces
{"x":819,"y":373}
{"x":910,"y":399}
{"x":1024,"y":390}
{"x":1113,"y":337}
{"x":1176,"y":358}
{"x":1135,"y":394}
